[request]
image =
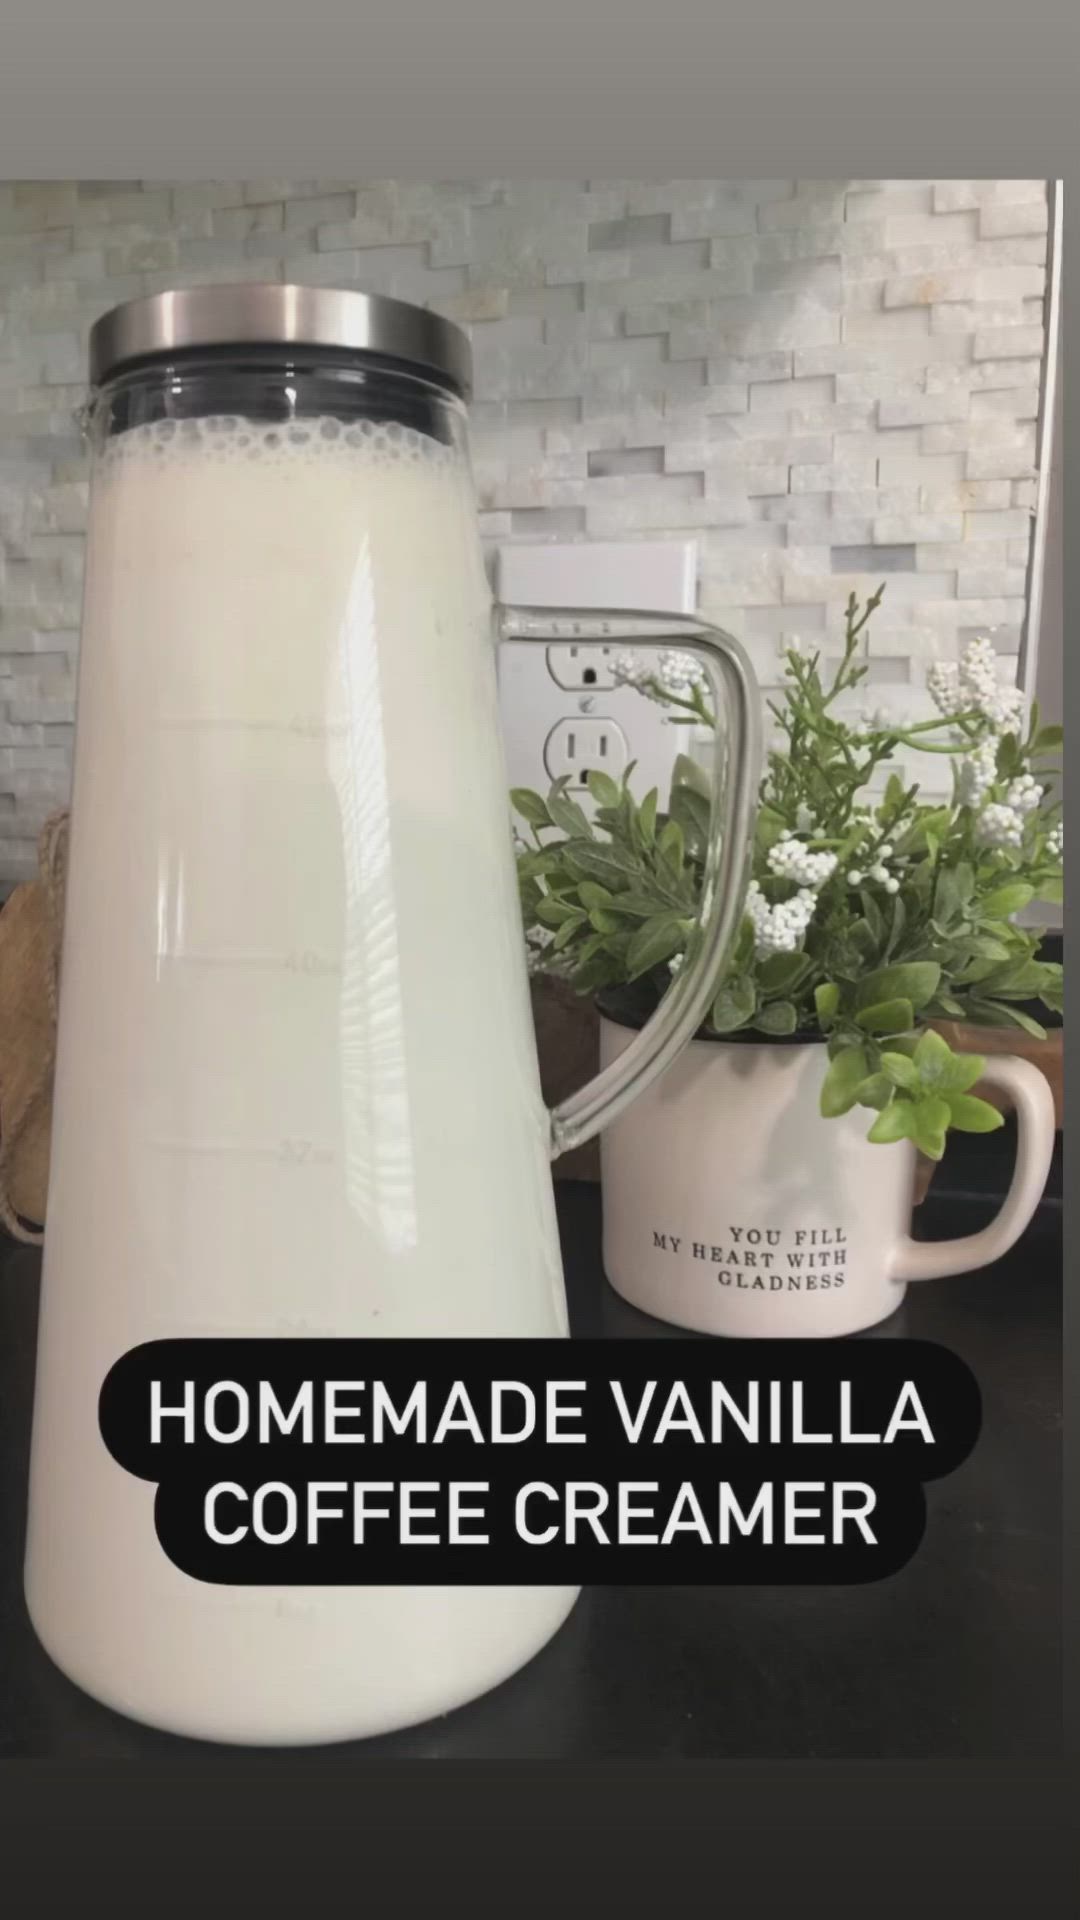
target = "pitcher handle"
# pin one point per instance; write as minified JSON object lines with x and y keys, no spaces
{"x":735,"y":773}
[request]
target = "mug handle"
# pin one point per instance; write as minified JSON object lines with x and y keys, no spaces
{"x":736,"y":770}
{"x":1036,"y":1125}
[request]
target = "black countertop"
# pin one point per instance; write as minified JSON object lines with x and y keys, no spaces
{"x":958,"y":1656}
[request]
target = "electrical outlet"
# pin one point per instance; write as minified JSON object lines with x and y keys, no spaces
{"x":577,"y":668}
{"x":549,"y":695}
{"x":583,"y":746}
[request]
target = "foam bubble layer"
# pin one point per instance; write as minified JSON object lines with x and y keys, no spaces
{"x":231,"y":439}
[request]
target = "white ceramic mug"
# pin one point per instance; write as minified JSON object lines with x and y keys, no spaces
{"x":732,"y":1207}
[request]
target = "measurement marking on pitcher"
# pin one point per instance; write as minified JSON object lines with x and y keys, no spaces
{"x":306,"y":962}
{"x":303,"y":726}
{"x":289,"y":1326}
{"x":291,"y":1153}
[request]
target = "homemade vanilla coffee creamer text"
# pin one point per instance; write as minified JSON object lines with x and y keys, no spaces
{"x":296,"y":1086}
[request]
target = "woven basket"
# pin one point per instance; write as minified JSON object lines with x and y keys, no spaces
{"x":31,"y":925}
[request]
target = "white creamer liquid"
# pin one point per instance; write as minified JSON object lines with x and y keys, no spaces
{"x":296,"y":1087}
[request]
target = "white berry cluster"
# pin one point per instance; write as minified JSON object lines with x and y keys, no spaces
{"x":779,"y":928}
{"x":1025,"y":794}
{"x":977,"y":772}
{"x":631,"y":669}
{"x":879,"y":871}
{"x":1002,"y":823}
{"x":675,"y":673}
{"x":680,"y":673}
{"x":974,"y":685}
{"x":791,"y":859}
{"x":1000,"y":826}
{"x":943,"y":686}
{"x":1055,"y":841}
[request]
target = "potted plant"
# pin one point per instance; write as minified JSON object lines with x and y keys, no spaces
{"x":763,"y":1185}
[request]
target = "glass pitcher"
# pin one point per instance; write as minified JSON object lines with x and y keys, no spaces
{"x":296,"y":1083}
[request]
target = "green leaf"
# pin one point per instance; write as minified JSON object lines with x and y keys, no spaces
{"x":672,"y":846}
{"x":566,"y":814}
{"x":995,"y":1013}
{"x":964,"y":1070}
{"x":892,"y":797}
{"x":610,"y":865}
{"x":924,"y":830}
{"x":1004,"y":901}
{"x":540,"y":860}
{"x":917,"y":887}
{"x":530,"y":806}
{"x":687,"y":773}
{"x":641,"y":906}
{"x":604,"y":920}
{"x":913,"y":980}
{"x":872,"y":916}
{"x":554,"y":913}
{"x":693,"y":814}
{"x":734,"y":1006}
{"x":781,"y":973}
{"x":944,"y":1007}
{"x":603,"y":788}
{"x":972,"y":973}
{"x":599,"y":970}
{"x":899,"y":916}
{"x":964,"y":874}
{"x":1024,"y":980}
{"x":889,"y":1016}
{"x":744,"y":947}
{"x":933,"y":1059}
{"x":647,"y":817}
{"x":567,"y":931}
{"x":1048,"y":739}
{"x":768,"y":827}
{"x":951,"y":895}
{"x":595,"y":944}
{"x":876,"y":1091}
{"x":840,"y":1086}
{"x":1009,"y":758}
{"x":894,"y":1122}
{"x":930,"y":1125}
{"x":592,"y":894}
{"x":653,"y":943}
{"x":982,"y":946}
{"x":778,"y":1017}
{"x":971,"y":1115}
{"x":617,"y":823}
{"x":862,"y":937}
{"x":826,"y":999}
{"x":901,"y":1071}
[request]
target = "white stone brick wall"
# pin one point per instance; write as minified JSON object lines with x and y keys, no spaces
{"x":828,"y":383}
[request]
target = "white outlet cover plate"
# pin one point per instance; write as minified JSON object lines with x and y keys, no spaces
{"x":647,"y":575}
{"x":650,"y":575}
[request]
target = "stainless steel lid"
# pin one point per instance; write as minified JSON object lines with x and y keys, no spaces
{"x":282,"y":316}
